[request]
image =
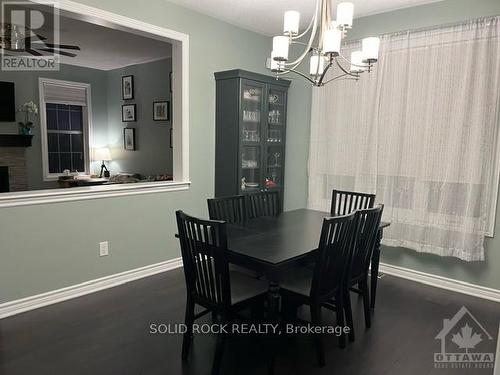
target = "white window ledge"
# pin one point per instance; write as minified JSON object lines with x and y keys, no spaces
{"x":28,"y":198}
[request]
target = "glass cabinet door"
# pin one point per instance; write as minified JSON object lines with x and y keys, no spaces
{"x":275,"y":133}
{"x":252,"y":106}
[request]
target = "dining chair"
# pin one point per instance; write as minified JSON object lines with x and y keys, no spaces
{"x":325,"y":284}
{"x":231,"y":209}
{"x":209,"y":282}
{"x":264,"y":203}
{"x":365,"y":235}
{"x":345,"y":202}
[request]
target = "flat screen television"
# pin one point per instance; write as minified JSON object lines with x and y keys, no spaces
{"x":7,"y":102}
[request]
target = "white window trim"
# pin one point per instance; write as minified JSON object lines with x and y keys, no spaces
{"x":87,"y":124}
{"x":180,"y":84}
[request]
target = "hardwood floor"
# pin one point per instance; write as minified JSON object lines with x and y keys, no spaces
{"x":108,"y":333}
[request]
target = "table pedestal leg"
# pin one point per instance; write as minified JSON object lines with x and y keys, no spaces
{"x":374,"y":268}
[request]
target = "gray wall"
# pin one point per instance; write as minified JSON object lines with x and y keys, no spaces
{"x":46,"y":247}
{"x":26,"y":86}
{"x":485,"y":273}
{"x":153,"y":154}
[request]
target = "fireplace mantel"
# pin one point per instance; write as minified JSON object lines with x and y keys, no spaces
{"x":15,"y":140}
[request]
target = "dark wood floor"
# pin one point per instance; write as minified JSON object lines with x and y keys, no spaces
{"x":108,"y":333}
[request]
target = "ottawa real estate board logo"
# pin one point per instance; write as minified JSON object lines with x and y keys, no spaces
{"x":465,"y":343}
{"x":29,"y":33}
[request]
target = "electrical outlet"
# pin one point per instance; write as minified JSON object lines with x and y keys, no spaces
{"x":103,"y":248}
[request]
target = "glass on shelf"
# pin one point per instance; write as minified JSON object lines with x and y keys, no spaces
{"x":274,"y":136}
{"x":274,"y":170}
{"x":274,"y":117}
{"x":250,"y":168}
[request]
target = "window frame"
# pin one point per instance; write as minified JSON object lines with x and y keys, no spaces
{"x":86,"y":119}
{"x":180,"y":120}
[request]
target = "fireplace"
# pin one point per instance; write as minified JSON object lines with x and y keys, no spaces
{"x":4,"y":179}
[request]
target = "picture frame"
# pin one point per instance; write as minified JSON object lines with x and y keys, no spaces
{"x":161,"y":111}
{"x":128,"y":87}
{"x":129,"y":139}
{"x":129,"y":113}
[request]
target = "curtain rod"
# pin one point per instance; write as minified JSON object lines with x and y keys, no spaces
{"x":434,"y":27}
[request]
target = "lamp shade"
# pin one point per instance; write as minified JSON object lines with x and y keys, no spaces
{"x":345,"y":12}
{"x":102,"y":153}
{"x":291,"y":22}
{"x":316,"y":65}
{"x":370,"y":49}
{"x":280,"y":48}
{"x":332,"y":39}
{"x":357,"y":65}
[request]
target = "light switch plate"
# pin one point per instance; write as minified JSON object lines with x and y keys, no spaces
{"x":103,"y":248}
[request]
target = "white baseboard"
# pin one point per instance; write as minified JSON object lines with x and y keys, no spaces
{"x":34,"y":302}
{"x":441,"y":282}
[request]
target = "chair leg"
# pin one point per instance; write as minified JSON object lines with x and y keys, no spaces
{"x":348,"y":314}
{"x":188,"y":335}
{"x":366,"y":303}
{"x":219,"y":351}
{"x":339,"y":299}
{"x":318,"y":339}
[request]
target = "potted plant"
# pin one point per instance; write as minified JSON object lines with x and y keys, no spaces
{"x":30,"y":110}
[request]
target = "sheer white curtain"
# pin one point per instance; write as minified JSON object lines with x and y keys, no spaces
{"x":419,"y":131}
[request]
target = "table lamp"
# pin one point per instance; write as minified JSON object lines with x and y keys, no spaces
{"x":103,"y":154}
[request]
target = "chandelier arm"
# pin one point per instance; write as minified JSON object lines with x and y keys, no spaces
{"x":349,"y":61}
{"x":309,"y":44}
{"x":345,"y":70}
{"x":300,"y":74}
{"x":339,"y":77}
{"x":310,"y":23}
{"x":320,"y":81}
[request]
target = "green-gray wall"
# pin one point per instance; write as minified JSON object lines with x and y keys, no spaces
{"x":485,"y":273}
{"x":46,"y":247}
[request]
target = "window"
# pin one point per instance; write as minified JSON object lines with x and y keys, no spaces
{"x":65,"y":127}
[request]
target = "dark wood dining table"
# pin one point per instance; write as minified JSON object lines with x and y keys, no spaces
{"x":274,"y":245}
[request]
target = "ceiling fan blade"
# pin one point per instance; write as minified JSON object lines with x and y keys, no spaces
{"x":33,"y":52}
{"x":62,"y":53}
{"x":61,"y":46}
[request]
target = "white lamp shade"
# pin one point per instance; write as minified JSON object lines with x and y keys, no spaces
{"x":316,"y":65}
{"x":102,"y":154}
{"x":291,"y":22}
{"x":357,"y":62}
{"x":370,"y":49}
{"x":332,"y":40}
{"x":280,"y":48}
{"x":345,"y":12}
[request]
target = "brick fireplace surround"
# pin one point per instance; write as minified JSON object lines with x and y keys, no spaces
{"x":13,"y":156}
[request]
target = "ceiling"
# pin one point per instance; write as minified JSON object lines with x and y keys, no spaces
{"x":104,"y":48}
{"x":266,"y":16}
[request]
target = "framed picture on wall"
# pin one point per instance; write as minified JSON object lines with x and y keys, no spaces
{"x":128,"y":113}
{"x":161,"y":111}
{"x":127,"y":87}
{"x":129,"y":139}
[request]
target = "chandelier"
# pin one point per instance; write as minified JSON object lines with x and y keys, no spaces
{"x":328,"y":35}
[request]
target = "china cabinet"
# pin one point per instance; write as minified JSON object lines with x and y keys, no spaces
{"x":250,"y":132}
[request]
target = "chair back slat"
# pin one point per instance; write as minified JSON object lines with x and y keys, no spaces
{"x":367,"y":224}
{"x":206,"y":268}
{"x":346,"y":202}
{"x":334,"y":256}
{"x":230,"y":209}
{"x":265,"y":203}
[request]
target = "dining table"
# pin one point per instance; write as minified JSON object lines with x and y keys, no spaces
{"x":271,"y":246}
